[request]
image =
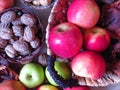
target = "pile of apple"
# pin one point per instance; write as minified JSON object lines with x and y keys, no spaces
{"x":81,"y":40}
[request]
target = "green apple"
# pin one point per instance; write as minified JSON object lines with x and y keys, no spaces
{"x":49,"y":78}
{"x":62,"y":69}
{"x":47,"y":87}
{"x":11,"y":85}
{"x":32,"y":75}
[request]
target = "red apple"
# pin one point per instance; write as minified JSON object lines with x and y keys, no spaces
{"x":88,"y":64}
{"x":47,"y":87}
{"x":65,"y":40}
{"x":78,"y":88}
{"x":12,"y":85}
{"x":84,"y":13}
{"x":96,"y":39}
{"x":4,"y":4}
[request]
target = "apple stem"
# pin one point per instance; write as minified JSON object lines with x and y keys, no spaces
{"x":60,"y":30}
{"x":29,"y":76}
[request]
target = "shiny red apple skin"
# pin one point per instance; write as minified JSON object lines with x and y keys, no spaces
{"x":84,"y":13}
{"x":78,"y":88}
{"x":96,"y":39}
{"x":89,"y":64}
{"x":65,"y":40}
{"x":12,"y":85}
{"x":5,"y":4}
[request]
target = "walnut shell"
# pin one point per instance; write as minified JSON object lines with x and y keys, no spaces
{"x":29,"y":34}
{"x":35,"y":43}
{"x":36,"y":2}
{"x":7,"y":17}
{"x":17,"y":30}
{"x":21,"y":46}
{"x":28,"y":19}
{"x":10,"y":51}
{"x":45,"y":2}
{"x":28,"y":0}
{"x":17,"y":22}
{"x":6,"y":33}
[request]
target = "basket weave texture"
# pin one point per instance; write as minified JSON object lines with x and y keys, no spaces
{"x":57,"y":16}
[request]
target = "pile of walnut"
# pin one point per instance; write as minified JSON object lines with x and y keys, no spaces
{"x":18,"y":33}
{"x":40,"y":2}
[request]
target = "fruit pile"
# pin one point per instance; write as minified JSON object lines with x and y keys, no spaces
{"x":92,"y":56}
{"x":79,"y":45}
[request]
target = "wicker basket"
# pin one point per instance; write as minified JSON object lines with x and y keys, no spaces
{"x":57,"y":16}
{"x":7,"y":73}
{"x":27,"y":58}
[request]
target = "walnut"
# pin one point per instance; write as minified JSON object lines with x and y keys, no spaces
{"x":17,"y":21}
{"x":42,"y":59}
{"x":28,"y":0}
{"x":29,"y":34}
{"x":8,"y":17}
{"x":35,"y":43}
{"x":3,"y":43}
{"x":45,"y":2}
{"x":28,"y":20}
{"x":22,"y":47}
{"x":10,"y":51}
{"x":25,"y":53}
{"x":18,"y":30}
{"x":36,"y":2}
{"x":5,"y":32}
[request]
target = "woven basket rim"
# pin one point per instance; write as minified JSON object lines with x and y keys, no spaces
{"x":108,"y":77}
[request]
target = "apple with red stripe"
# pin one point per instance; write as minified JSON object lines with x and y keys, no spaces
{"x":84,"y":13}
{"x":96,"y":39}
{"x":65,"y":40}
{"x":89,"y":64}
